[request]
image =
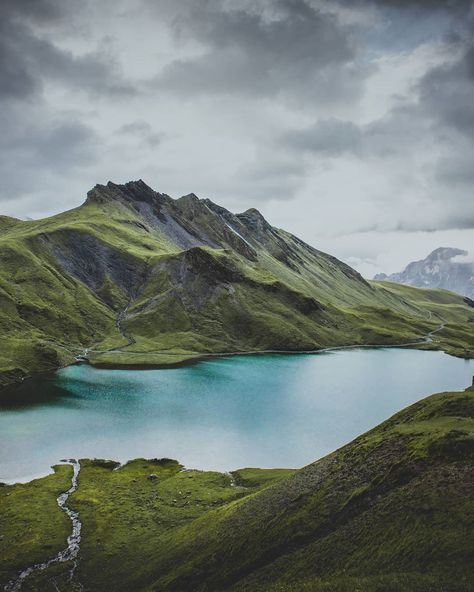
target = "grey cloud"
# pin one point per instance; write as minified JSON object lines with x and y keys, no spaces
{"x":64,"y":144}
{"x":34,"y":148}
{"x":442,"y":107}
{"x":230,"y":142}
{"x":450,"y":220}
{"x":270,"y":178}
{"x":135,"y":128}
{"x":456,"y":170}
{"x":445,"y":5}
{"x":447,"y":92}
{"x":34,"y":10}
{"x":29,"y":60}
{"x":447,"y":97}
{"x":41,"y":145}
{"x":293,"y":50}
{"x":95,"y":73}
{"x":331,"y":137}
{"x":451,"y":6}
{"x":17,"y":80}
{"x":143,"y":131}
{"x":425,"y":144}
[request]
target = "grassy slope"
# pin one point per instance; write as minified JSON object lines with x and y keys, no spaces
{"x":46,"y":315}
{"x":129,"y":515}
{"x":394,"y":506}
{"x":392,"y":510}
{"x":32,"y":527}
{"x":185,"y":303}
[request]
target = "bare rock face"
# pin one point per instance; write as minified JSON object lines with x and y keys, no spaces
{"x":445,"y":267}
{"x":88,"y":259}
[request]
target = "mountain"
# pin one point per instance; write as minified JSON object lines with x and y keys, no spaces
{"x":135,"y":278}
{"x":439,"y":270}
{"x":392,"y":510}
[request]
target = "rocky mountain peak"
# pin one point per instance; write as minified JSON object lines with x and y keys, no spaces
{"x":189,"y":203}
{"x":131,"y":192}
{"x":440,"y":269}
{"x":190,"y":197}
{"x":253,"y":219}
{"x":445,"y":254}
{"x":254,"y":214}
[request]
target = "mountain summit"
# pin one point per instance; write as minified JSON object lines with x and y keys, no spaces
{"x":136,"y":278}
{"x":443,"y":268}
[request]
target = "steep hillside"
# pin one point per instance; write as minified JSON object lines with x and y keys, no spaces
{"x":134,"y":277}
{"x":392,"y":510}
{"x":443,"y":268}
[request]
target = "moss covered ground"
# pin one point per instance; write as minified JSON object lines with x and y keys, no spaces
{"x":391,"y":511}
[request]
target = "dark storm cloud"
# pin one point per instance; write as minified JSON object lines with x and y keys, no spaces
{"x":34,"y":10}
{"x":443,"y":105}
{"x":447,"y":97}
{"x":448,"y":93}
{"x":450,"y":6}
{"x":445,"y":5}
{"x":29,"y":60}
{"x":438,"y":120}
{"x":17,"y":74}
{"x":16,"y":79}
{"x":39,"y":140}
{"x":284,"y":47}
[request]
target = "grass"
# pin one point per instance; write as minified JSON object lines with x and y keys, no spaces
{"x":394,"y":500}
{"x":392,"y":510}
{"x":32,"y":526}
{"x":65,"y":279}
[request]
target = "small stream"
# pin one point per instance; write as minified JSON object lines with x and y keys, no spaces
{"x":70,"y":553}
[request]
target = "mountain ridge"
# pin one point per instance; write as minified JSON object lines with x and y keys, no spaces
{"x":185,"y":277}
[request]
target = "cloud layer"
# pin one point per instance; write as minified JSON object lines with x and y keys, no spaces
{"x":340,"y":120}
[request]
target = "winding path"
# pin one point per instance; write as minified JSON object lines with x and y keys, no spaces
{"x":428,"y":338}
{"x":70,"y":553}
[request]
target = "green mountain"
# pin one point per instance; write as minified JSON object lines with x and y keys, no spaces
{"x":137,"y":278}
{"x":391,"y":511}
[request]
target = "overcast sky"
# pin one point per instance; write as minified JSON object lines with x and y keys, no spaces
{"x":349,"y":123}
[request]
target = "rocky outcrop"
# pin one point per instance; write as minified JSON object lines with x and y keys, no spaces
{"x":87,"y":258}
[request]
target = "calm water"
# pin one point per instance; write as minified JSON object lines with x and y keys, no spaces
{"x":265,"y":411}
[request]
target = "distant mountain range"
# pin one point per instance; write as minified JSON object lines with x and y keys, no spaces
{"x":440,"y":269}
{"x":135,"y":278}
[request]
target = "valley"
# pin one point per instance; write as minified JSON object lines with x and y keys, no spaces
{"x":134,"y":278}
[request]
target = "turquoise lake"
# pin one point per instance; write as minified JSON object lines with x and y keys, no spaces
{"x":265,"y":411}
